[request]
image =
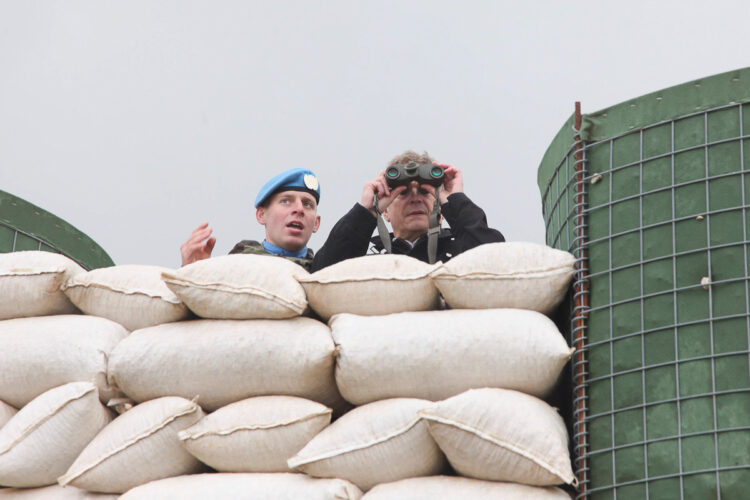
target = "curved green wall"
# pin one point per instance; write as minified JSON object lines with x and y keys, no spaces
{"x":24,"y":226}
{"x":661,"y":226}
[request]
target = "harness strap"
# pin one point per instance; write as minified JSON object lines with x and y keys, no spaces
{"x":434,"y":230}
{"x":385,"y":237}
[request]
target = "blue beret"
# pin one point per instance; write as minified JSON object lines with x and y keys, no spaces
{"x":296,"y":179}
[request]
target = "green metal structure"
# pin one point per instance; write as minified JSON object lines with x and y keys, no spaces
{"x":651,"y":196}
{"x":24,"y":226}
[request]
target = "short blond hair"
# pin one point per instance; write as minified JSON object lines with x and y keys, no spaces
{"x":410,"y":155}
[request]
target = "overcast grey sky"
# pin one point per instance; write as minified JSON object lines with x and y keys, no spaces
{"x":137,"y":120}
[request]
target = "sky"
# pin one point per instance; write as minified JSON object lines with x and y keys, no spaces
{"x":137,"y":120}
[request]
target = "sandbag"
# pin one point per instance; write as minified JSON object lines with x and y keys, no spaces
{"x":461,"y":488}
{"x":139,"y":446}
{"x":223,"y":361}
{"x":30,"y":284}
{"x":6,"y":412}
{"x":372,"y":285}
{"x":38,"y":354}
{"x":245,"y":486}
{"x":132,"y":295}
{"x":240,"y":287}
{"x":256,"y":434}
{"x":53,"y":492}
{"x":515,"y":275}
{"x":437,"y":354}
{"x":502,"y":435}
{"x":377,"y":443}
{"x":41,"y":441}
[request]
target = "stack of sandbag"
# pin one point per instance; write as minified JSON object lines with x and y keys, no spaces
{"x":54,"y":360}
{"x":250,"y":356}
{"x":250,"y":387}
{"x":467,"y":382}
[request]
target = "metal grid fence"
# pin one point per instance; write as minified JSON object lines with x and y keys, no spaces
{"x":657,"y":219}
{"x":13,"y":239}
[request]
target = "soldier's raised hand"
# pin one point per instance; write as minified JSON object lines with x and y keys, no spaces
{"x":199,"y":245}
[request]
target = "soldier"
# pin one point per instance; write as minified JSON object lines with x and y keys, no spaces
{"x":287,"y":207}
{"x":407,"y":208}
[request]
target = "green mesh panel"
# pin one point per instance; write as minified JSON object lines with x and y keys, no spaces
{"x":24,"y":226}
{"x":667,"y":377}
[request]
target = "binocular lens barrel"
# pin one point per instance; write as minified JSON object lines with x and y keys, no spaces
{"x":397,"y":175}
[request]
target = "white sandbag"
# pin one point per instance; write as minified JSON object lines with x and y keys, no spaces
{"x":223,"y":361}
{"x":41,"y":441}
{"x":139,"y":446}
{"x":461,"y":488}
{"x":53,"y":492}
{"x":6,"y":412}
{"x":30,"y":284}
{"x":245,"y":486}
{"x":240,"y":287}
{"x":516,"y":275}
{"x":437,"y":354}
{"x":377,"y":443}
{"x":502,"y":435}
{"x":132,"y":295}
{"x":256,"y":434}
{"x":372,"y":285}
{"x":38,"y":354}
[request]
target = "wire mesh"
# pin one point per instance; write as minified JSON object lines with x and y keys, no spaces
{"x":657,"y":219}
{"x":13,"y":239}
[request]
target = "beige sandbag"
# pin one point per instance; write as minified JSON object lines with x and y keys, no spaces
{"x":139,"y":446}
{"x":372,"y":285}
{"x":502,"y":435}
{"x":30,"y":284}
{"x":256,"y":434}
{"x":38,"y":354}
{"x":52,"y":492}
{"x":223,"y":361}
{"x":461,"y":488}
{"x":6,"y":412}
{"x":41,"y":441}
{"x":133,"y":295}
{"x":515,"y":275}
{"x":377,"y":443}
{"x":245,"y":486}
{"x":437,"y":354}
{"x":240,"y":287}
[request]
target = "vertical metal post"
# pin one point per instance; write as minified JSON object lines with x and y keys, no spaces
{"x":580,"y":312}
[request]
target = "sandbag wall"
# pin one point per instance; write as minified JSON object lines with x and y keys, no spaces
{"x":171,"y":379}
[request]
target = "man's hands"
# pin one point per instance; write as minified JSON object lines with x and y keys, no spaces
{"x":199,"y":246}
{"x":453,"y":182}
{"x":385,"y":195}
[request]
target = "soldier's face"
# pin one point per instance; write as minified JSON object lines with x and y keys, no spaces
{"x":409,"y":212}
{"x":290,"y":219}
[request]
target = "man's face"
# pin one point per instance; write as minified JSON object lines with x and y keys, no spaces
{"x":290,"y":218}
{"x":409,"y":212}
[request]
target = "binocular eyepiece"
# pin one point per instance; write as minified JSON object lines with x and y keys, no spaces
{"x":402,"y":175}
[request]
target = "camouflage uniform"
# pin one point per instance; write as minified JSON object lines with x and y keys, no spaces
{"x":255,"y":247}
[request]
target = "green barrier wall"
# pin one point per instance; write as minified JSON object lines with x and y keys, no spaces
{"x":24,"y":226}
{"x":652,"y":197}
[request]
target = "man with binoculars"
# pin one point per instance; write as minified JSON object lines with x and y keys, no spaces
{"x":405,"y":194}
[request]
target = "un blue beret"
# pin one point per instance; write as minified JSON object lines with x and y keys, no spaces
{"x":296,"y":179}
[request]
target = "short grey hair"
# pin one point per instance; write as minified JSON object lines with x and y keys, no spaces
{"x":410,"y":155}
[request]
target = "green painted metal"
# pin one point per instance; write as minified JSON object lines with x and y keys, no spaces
{"x":660,"y":218}
{"x":25,"y":226}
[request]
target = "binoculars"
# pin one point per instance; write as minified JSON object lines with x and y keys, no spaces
{"x":402,"y":175}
